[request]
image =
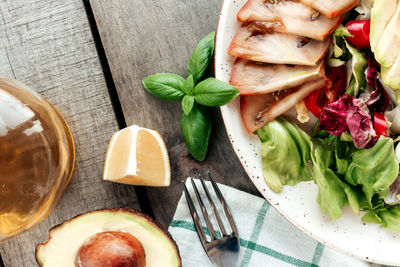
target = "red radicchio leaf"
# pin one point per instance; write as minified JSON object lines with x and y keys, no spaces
{"x":360,"y":127}
{"x":379,"y":100}
{"x":349,"y":114}
{"x":333,"y":116}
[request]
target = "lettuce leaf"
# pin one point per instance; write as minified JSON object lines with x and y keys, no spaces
{"x":388,"y":217}
{"x":333,"y":193}
{"x":342,"y":152}
{"x":344,"y":174}
{"x":337,"y":49}
{"x":375,"y":168}
{"x":342,"y":31}
{"x":357,"y":64}
{"x":286,"y":154}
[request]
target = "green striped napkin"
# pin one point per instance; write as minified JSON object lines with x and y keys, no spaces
{"x":266,"y":239}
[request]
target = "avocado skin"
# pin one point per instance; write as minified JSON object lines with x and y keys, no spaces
{"x":112,"y":210}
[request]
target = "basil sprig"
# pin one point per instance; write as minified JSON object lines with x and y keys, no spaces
{"x":201,"y":56}
{"x":212,"y":92}
{"x":187,"y":104}
{"x":196,"y":92}
{"x":167,"y":86}
{"x":196,"y":129}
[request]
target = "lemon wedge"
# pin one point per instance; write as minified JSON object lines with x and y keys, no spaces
{"x":137,"y":156}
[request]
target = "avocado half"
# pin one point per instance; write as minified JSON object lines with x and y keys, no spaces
{"x":68,"y":240}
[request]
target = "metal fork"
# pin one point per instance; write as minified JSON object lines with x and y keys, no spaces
{"x":223,"y":251}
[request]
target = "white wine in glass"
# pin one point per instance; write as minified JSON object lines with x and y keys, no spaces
{"x":36,"y":158}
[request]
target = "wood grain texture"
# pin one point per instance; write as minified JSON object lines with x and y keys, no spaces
{"x":48,"y":46}
{"x":143,"y":37}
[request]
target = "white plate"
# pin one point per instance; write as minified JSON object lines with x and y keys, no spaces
{"x":296,"y":203}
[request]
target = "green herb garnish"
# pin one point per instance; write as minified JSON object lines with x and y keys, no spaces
{"x":196,"y":92}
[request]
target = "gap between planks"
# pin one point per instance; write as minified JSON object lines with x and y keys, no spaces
{"x":141,"y":191}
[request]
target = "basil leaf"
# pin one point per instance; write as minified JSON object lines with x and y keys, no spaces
{"x":187,"y":104}
{"x":188,"y":85}
{"x":167,"y":86}
{"x":213,"y":92}
{"x":196,"y":129}
{"x":201,"y":56}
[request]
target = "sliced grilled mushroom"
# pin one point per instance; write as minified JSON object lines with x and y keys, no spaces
{"x":261,"y":78}
{"x":289,"y":17}
{"x":257,"y":110}
{"x":253,"y":41}
{"x":331,"y":8}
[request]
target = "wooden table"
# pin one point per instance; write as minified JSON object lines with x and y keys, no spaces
{"x":88,"y":58}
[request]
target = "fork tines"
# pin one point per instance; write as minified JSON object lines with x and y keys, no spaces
{"x":206,"y":216}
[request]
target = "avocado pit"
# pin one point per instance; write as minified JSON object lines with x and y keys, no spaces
{"x":111,"y":249}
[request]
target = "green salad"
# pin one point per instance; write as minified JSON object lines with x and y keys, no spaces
{"x":344,"y":174}
{"x":351,"y":154}
{"x":339,"y":61}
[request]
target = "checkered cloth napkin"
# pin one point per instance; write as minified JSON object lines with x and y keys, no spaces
{"x":266,"y":239}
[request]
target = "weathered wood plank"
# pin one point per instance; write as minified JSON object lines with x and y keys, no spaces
{"x":48,"y":45}
{"x":143,"y":37}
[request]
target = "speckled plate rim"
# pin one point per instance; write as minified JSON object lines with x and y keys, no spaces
{"x":296,"y":204}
